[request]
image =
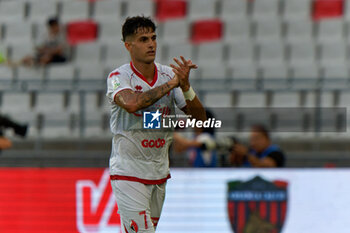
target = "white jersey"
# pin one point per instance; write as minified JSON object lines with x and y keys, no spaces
{"x":140,"y":154}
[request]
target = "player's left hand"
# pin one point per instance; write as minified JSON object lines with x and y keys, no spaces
{"x":182,"y":71}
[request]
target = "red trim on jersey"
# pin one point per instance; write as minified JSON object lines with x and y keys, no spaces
{"x":143,"y":77}
{"x":112,"y":74}
{"x":155,"y":221}
{"x":143,"y":181}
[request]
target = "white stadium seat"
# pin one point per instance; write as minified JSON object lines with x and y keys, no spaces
{"x":175,"y":31}
{"x":74,"y":10}
{"x":237,"y":29}
{"x":265,"y":8}
{"x":233,"y":9}
{"x":40,"y":11}
{"x":136,"y":7}
{"x":251,"y":100}
{"x":12,"y":11}
{"x":201,"y":9}
{"x":108,"y":11}
{"x":88,"y":53}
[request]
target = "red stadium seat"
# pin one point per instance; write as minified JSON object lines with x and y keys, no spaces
{"x":206,"y":31}
{"x":170,"y":9}
{"x":81,"y":32}
{"x":327,"y":9}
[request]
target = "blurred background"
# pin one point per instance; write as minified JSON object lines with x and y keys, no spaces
{"x":257,"y":54}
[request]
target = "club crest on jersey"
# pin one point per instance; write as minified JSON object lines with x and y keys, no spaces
{"x":257,"y":205}
{"x":151,"y":120}
{"x":115,"y":83}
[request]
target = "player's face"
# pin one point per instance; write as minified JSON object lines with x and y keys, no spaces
{"x":143,"y":45}
{"x":258,"y":141}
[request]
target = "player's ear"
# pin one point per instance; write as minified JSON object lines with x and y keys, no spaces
{"x":127,"y":45}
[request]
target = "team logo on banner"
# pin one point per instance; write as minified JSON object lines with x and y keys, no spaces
{"x":96,"y":206}
{"x":257,"y":205}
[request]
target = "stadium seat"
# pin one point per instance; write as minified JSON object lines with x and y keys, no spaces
{"x":326,"y":99}
{"x":15,"y":103}
{"x":40,"y":11}
{"x":108,"y":11}
{"x":286,"y":100}
{"x":324,"y":9}
{"x":213,"y":72}
{"x":116,"y":55}
{"x":265,"y":8}
{"x":136,"y":7}
{"x":233,"y":9}
{"x":206,"y":30}
{"x":201,"y":9}
{"x":273,"y":72}
{"x":170,"y":9}
{"x":299,"y":31}
{"x":48,"y":102}
{"x":237,"y":29}
{"x":30,"y":74}
{"x":252,"y":100}
{"x":241,"y":52}
{"x":177,"y":50}
{"x":59,"y":126}
{"x":209,"y":52}
{"x":91,"y":71}
{"x":74,"y":11}
{"x":18,"y":51}
{"x":174,"y":31}
{"x":18,"y":33}
{"x":271,"y":52}
{"x":88,"y":53}
{"x":267,"y":29}
{"x":12,"y":11}
{"x":245,"y":72}
{"x":297,"y":9}
{"x":81,"y":32}
{"x":110,"y":32}
{"x":305,"y":71}
{"x":7,"y":73}
{"x":333,"y":52}
{"x":217,"y":100}
{"x":330,"y":30}
{"x":61,"y":76}
{"x":302,"y":52}
{"x":336,"y":71}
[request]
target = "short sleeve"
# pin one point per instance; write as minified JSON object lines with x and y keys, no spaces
{"x":116,"y":82}
{"x":179,"y":98}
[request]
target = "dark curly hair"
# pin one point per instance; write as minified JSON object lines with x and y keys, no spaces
{"x":132,"y":24}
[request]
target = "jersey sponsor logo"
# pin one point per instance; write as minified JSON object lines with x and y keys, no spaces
{"x":96,"y":206}
{"x":151,"y":120}
{"x":257,"y":205}
{"x":138,"y":89}
{"x":159,"y":143}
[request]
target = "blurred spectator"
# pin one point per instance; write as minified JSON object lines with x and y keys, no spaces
{"x":261,"y":153}
{"x":201,"y":149}
{"x":19,"y":129}
{"x":52,"y":47}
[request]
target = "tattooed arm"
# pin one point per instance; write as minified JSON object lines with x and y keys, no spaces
{"x":132,"y":102}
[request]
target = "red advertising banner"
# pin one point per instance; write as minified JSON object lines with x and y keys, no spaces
{"x":57,"y":200}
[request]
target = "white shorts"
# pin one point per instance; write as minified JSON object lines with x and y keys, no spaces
{"x":139,"y":205}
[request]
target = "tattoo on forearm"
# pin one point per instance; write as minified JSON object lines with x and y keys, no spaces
{"x":150,"y":97}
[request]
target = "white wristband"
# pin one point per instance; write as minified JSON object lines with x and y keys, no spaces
{"x":190,"y":94}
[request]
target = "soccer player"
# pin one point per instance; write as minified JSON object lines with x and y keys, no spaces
{"x":139,"y":164}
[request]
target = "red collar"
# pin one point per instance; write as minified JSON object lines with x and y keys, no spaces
{"x":143,"y":77}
